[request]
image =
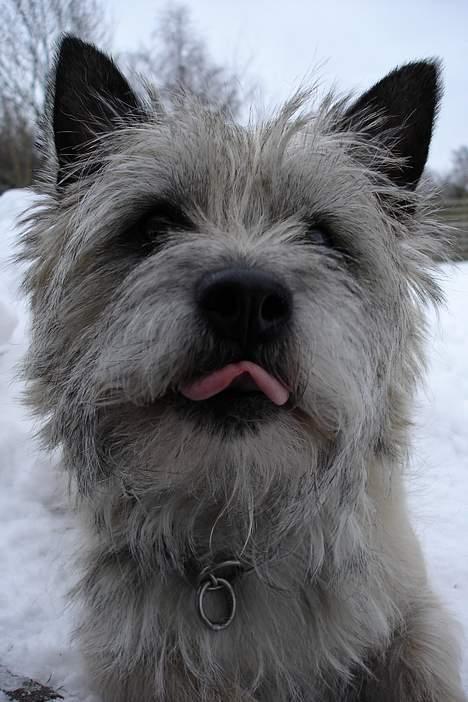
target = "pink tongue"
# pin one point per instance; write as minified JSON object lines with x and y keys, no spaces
{"x":219,"y":380}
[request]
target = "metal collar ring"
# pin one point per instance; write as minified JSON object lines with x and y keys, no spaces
{"x":211,"y":584}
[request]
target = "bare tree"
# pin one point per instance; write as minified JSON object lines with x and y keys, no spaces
{"x":28,"y":33}
{"x":17,"y":154}
{"x":459,"y":173}
{"x":453,"y":185}
{"x":178,"y":61}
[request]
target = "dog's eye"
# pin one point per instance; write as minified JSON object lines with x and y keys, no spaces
{"x":151,"y":231}
{"x":324,"y":236}
{"x":318,"y":233}
{"x":165,"y":216}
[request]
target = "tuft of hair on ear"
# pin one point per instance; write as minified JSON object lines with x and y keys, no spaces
{"x":400,"y":111}
{"x":91,"y":97}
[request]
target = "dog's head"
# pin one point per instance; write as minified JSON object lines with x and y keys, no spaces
{"x":228,"y":312}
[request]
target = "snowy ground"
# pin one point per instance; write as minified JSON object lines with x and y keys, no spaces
{"x":37,"y":534}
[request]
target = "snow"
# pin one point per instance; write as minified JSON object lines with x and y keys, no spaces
{"x":38,"y":534}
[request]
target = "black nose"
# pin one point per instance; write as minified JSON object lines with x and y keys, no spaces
{"x":244,"y":305}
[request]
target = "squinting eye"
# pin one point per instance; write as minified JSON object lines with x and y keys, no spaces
{"x":329,"y":242}
{"x":150,"y":232}
{"x":163,"y":217}
{"x":318,"y":235}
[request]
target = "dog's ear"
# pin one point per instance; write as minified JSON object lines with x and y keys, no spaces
{"x":400,"y":111}
{"x":91,"y":97}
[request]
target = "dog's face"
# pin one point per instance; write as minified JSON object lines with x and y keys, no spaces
{"x":227,"y":313}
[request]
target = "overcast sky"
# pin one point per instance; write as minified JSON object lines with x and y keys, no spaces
{"x":353,"y":42}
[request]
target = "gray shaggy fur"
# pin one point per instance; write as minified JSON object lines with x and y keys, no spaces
{"x":336,"y":605}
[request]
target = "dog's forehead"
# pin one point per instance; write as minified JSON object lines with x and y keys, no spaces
{"x":209,"y":164}
{"x":250,"y":163}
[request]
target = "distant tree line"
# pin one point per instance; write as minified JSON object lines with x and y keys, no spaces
{"x":454,"y":185}
{"x":176,"y":59}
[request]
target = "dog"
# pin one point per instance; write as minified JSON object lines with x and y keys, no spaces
{"x":228,"y":331}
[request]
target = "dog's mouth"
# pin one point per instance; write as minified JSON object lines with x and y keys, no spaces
{"x":243,"y":378}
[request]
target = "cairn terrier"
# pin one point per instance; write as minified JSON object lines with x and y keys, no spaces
{"x":228,"y":328}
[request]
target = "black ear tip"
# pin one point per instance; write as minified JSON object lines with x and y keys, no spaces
{"x":429,"y":68}
{"x":426,"y":75}
{"x":426,"y":79}
{"x":433,"y":71}
{"x":70,"y":42}
{"x":71,"y":49}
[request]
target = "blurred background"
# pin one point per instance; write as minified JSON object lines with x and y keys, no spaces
{"x":241,"y":55}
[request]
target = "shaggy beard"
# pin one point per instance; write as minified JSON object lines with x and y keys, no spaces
{"x":178,"y":492}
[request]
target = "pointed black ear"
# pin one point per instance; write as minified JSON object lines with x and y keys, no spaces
{"x":91,"y":97}
{"x":406,"y":100}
